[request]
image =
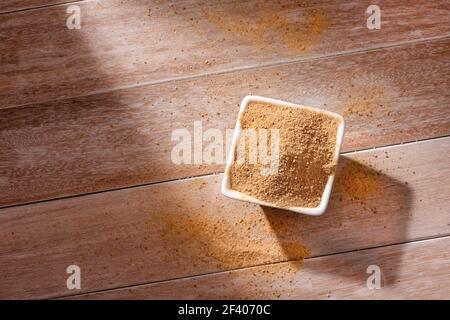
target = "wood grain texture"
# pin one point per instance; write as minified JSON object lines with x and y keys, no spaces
{"x":9,"y":6}
{"x":124,"y":43}
{"x":186,"y":227}
{"x":424,"y":274}
{"x":123,"y":138}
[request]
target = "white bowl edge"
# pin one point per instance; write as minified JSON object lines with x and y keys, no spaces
{"x":226,"y":185}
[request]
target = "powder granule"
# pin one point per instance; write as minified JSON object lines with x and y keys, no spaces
{"x":307,"y":144}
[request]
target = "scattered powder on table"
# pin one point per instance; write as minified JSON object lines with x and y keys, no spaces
{"x":357,"y":181}
{"x":361,"y":108}
{"x":227,"y":240}
{"x":270,"y":25}
{"x":362,"y":100}
{"x":307,"y":142}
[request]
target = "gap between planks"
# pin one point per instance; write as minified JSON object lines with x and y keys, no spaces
{"x":88,"y":231}
{"x":200,"y":276}
{"x":349,"y":17}
{"x":129,"y":145}
{"x":210,"y":174}
{"x":244,"y":68}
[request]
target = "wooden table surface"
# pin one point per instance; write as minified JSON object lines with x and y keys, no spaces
{"x":86,"y":176}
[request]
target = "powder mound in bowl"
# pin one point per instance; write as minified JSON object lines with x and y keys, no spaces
{"x":307,"y":144}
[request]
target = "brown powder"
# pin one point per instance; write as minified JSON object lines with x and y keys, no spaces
{"x":271,"y":25}
{"x":223,"y":240}
{"x":307,"y":147}
{"x":358,"y":107}
{"x":357,"y":181}
{"x":362,"y":100}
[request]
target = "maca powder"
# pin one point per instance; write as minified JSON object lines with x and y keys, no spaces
{"x":307,"y":143}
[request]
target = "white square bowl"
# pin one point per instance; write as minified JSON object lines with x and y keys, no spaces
{"x":226,"y":184}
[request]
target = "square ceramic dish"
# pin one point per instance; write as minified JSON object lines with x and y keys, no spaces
{"x":226,"y":185}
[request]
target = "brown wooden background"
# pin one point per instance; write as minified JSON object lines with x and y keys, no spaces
{"x":85,"y":138}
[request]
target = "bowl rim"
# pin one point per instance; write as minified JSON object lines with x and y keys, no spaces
{"x":226,"y":185}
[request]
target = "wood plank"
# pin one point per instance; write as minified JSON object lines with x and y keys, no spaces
{"x":423,"y":273}
{"x":185,"y":227}
{"x":125,"y":43}
{"x":9,"y":6}
{"x":123,"y":138}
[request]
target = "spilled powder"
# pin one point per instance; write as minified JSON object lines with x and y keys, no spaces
{"x":361,"y":108}
{"x":272,"y":23}
{"x":307,"y":151}
{"x":279,"y":280}
{"x":362,"y":100}
{"x":225,"y":241}
{"x":357,"y":181}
